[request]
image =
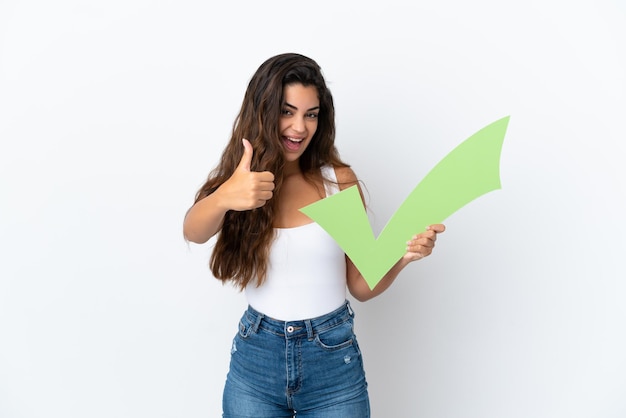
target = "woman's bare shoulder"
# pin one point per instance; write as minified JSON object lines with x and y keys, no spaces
{"x":345,"y":177}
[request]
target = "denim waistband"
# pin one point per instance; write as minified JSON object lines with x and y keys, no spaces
{"x":293,"y":329}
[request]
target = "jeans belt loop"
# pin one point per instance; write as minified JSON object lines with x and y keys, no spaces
{"x":350,"y":311}
{"x":309,"y":329}
{"x":257,"y":323}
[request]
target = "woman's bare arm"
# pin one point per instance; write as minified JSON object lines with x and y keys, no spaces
{"x":244,"y":190}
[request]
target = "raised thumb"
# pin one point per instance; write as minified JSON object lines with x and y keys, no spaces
{"x":246,"y":158}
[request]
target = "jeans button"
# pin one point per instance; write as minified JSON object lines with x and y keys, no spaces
{"x":290,"y":329}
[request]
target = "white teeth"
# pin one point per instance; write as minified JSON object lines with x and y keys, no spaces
{"x":295,"y":140}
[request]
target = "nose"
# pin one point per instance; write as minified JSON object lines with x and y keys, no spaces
{"x":298,"y":125}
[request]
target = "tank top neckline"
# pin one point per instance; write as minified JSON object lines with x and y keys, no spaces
{"x":293,"y":227}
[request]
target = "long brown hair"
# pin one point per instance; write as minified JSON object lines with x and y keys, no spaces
{"x":242,"y":248}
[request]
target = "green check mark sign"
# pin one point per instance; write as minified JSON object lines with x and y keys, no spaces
{"x":469,"y":171}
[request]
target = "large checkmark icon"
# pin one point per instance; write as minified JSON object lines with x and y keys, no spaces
{"x":469,"y":171}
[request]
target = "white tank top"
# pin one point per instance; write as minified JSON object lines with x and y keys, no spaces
{"x":306,"y":275}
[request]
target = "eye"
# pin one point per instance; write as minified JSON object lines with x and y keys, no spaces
{"x":312,"y":115}
{"x":285,"y":112}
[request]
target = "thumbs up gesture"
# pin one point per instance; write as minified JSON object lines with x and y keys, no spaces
{"x":246,"y":189}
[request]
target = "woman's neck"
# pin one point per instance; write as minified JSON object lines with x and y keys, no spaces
{"x":291,"y":168}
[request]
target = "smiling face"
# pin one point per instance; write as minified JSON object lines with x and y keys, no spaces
{"x":298,"y":120}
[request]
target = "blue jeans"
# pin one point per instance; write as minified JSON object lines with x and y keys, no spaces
{"x":311,"y":368}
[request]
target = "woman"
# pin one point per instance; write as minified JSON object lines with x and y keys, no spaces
{"x":295,"y":353}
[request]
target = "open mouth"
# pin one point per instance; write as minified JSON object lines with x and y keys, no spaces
{"x":292,"y":144}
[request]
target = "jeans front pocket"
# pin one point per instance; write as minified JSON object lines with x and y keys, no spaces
{"x":336,"y":338}
{"x":245,"y":327}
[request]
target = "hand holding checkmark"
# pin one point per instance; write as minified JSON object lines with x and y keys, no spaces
{"x":469,"y":171}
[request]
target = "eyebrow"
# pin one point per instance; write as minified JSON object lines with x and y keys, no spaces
{"x":295,"y":108}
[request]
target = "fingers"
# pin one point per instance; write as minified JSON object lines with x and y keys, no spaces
{"x":422,"y":245}
{"x":246,"y":161}
{"x":438,"y":228}
{"x":246,"y":158}
{"x":259,"y":188}
{"x":247,"y":189}
{"x":264,"y":190}
{"x":262,"y":181}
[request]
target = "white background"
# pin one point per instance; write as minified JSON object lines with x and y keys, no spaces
{"x":112,"y":113}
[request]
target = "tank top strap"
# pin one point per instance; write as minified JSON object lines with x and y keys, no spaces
{"x":331,"y":185}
